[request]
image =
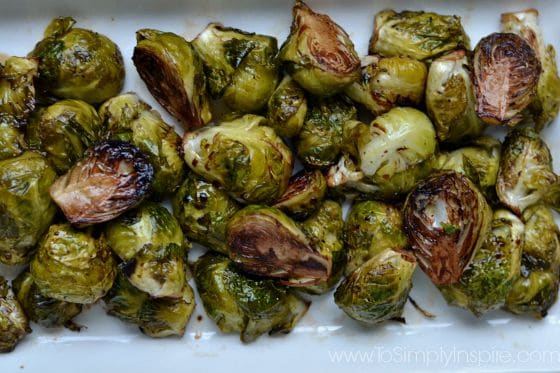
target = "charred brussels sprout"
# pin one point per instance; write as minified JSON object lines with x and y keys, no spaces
{"x":546,"y":104}
{"x":446,"y":219}
{"x":324,"y":230}
{"x":287,"y":108}
{"x":174,"y":75}
{"x":392,"y":154}
{"x":489,"y":277}
{"x":17,"y":90}
{"x":265,"y":242}
{"x":112,"y":177}
{"x":536,"y":290}
{"x":72,"y":265}
{"x":26,"y":210}
{"x":318,"y":53}
{"x":320,"y":140}
{"x":203,"y":211}
{"x":63,"y":131}
{"x":506,"y":72}
{"x":45,"y":311}
{"x":525,"y":176}
{"x":238,"y":303}
{"x":450,"y":100}
{"x":13,"y":322}
{"x":150,"y":242}
{"x":389,"y":82}
{"x":130,"y":119}
{"x":419,"y":35}
{"x":378,"y":289}
{"x":479,"y":161}
{"x":78,"y":63}
{"x":372,"y":227}
{"x":156,"y":317}
{"x":244,"y":156}
{"x":241,"y":67}
{"x":305,"y":192}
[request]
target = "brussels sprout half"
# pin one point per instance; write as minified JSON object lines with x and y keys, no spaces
{"x":446,"y":219}
{"x":241,"y":67}
{"x":416,"y":34}
{"x":306,"y":190}
{"x":130,"y":119}
{"x":546,"y":104}
{"x":287,"y":108}
{"x":63,"y":132}
{"x":72,"y":265}
{"x":506,"y":75}
{"x":203,"y":211}
{"x":387,"y":82}
{"x":45,"y":311}
{"x":244,"y":156}
{"x":13,"y":322}
{"x":318,"y":53}
{"x":78,"y":63}
{"x":17,"y":90}
{"x":372,"y":227}
{"x":489,"y":277}
{"x":264,"y":241}
{"x":173,"y":73}
{"x":26,"y":210}
{"x":238,"y":303}
{"x":378,"y":289}
{"x":112,"y":177}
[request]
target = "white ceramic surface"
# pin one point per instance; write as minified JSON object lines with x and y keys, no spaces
{"x":325,"y":340}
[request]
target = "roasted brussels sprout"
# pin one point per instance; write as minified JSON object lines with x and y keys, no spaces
{"x":13,"y":322}
{"x":450,"y":100}
{"x":536,"y":290}
{"x":263,"y":241}
{"x":78,"y":63}
{"x":547,"y":102}
{"x":63,"y":132}
{"x":392,"y":154}
{"x":324,"y":230}
{"x":305,"y":192}
{"x":45,"y":311}
{"x":17,"y":90}
{"x":244,"y":156}
{"x":389,"y":82}
{"x":446,"y":219}
{"x":174,"y":75}
{"x":12,"y":142}
{"x":525,"y":176}
{"x":26,"y":210}
{"x":506,"y":74}
{"x":489,"y":277}
{"x":320,"y":140}
{"x":150,"y":242}
{"x":130,"y":119}
{"x":156,"y":317}
{"x":112,"y":177}
{"x":378,"y":289}
{"x":72,"y":265}
{"x":372,"y":227}
{"x":416,"y":34}
{"x":238,"y":303}
{"x":287,"y":108}
{"x":318,"y":53}
{"x":241,"y":67}
{"x":479,"y":161}
{"x":203,"y":211}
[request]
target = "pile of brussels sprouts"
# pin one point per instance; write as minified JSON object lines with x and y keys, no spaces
{"x":84,"y":170}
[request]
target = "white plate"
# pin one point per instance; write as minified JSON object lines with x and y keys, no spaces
{"x":325,"y":340}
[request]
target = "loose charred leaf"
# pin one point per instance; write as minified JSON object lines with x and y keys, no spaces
{"x":305,"y":192}
{"x":112,"y":177}
{"x":446,"y":219}
{"x":506,"y":73}
{"x":265,"y":242}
